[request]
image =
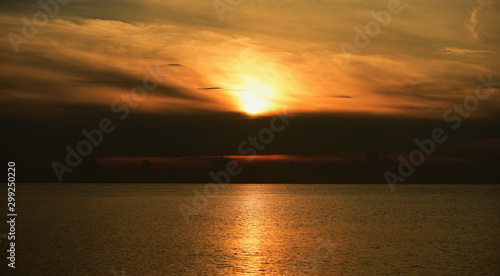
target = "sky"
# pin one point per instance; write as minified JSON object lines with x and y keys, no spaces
{"x":226,"y":67}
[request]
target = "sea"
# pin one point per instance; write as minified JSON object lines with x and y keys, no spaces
{"x":255,"y":229}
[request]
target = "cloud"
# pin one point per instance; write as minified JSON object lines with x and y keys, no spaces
{"x":337,"y":96}
{"x":342,"y":96}
{"x":93,"y":51}
{"x":473,"y":23}
{"x":211,"y":88}
{"x":459,"y":51}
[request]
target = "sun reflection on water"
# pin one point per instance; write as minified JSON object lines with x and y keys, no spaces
{"x":252,"y":235}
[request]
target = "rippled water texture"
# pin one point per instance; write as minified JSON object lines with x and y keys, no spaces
{"x":258,"y":229}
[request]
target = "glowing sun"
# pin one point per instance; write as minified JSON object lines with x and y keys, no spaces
{"x":256,"y":97}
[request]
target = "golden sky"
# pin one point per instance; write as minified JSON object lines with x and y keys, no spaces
{"x":263,"y":56}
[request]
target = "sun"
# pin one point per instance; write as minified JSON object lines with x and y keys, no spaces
{"x":252,"y":104}
{"x":256,"y":97}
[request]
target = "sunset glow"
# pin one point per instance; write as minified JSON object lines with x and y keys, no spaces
{"x":256,"y":96}
{"x":179,"y":81}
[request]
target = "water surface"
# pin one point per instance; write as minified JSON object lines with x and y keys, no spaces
{"x":258,"y":229}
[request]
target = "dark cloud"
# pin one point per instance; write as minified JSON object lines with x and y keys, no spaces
{"x":211,"y":88}
{"x":342,"y":96}
{"x":86,"y":74}
{"x":42,"y":139}
{"x":213,"y":134}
